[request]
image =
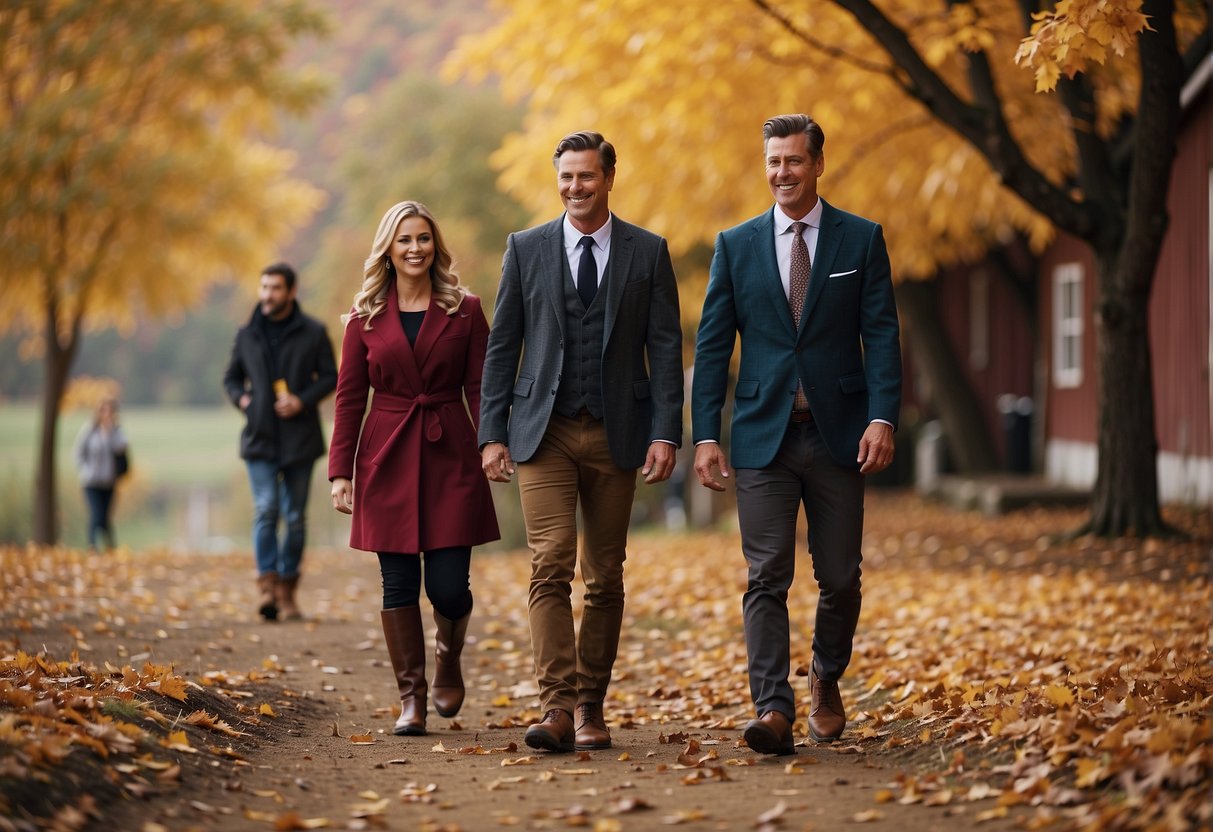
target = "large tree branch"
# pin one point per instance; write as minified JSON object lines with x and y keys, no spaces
{"x":1096,"y":178}
{"x":982,"y":127}
{"x":1154,"y":146}
{"x":826,"y":49}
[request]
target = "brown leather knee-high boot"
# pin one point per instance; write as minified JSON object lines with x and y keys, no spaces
{"x":448,"y":675}
{"x":406,"y":647}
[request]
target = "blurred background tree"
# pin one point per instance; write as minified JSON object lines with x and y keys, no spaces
{"x":130,"y":176}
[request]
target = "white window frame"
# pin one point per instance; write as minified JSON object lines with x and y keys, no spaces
{"x":1068,"y":323}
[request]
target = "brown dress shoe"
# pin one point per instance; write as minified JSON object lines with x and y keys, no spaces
{"x":554,"y":733}
{"x":827,"y":717}
{"x":592,"y":731}
{"x":771,"y":733}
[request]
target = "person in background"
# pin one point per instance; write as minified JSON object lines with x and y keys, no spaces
{"x":280,"y":371}
{"x":582,"y":388}
{"x":410,"y":475}
{"x":809,"y":290}
{"x":99,"y":445}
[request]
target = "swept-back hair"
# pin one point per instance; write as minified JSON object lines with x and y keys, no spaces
{"x":587,"y":140}
{"x":378,"y":272}
{"x":789,"y":125}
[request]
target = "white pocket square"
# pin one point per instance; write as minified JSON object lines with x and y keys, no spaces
{"x":844,"y":274}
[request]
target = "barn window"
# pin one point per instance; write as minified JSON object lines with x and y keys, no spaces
{"x":1067,"y":325}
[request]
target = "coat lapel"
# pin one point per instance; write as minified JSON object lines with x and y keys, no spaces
{"x":435,"y":323}
{"x":615,"y":278}
{"x":829,"y":241}
{"x":396,"y":344}
{"x":553,"y":266}
{"x":762,"y":242}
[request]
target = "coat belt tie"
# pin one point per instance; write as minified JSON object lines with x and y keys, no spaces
{"x":427,"y":403}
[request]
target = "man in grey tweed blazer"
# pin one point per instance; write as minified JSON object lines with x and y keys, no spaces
{"x":582,"y":385}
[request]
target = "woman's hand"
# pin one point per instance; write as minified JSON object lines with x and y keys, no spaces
{"x":343,"y":495}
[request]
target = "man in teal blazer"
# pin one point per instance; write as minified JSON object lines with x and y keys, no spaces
{"x":815,"y":406}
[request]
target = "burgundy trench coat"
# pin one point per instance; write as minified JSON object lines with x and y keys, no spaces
{"x":416,"y":470}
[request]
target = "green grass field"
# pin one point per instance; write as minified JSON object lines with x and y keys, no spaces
{"x":187,"y":486}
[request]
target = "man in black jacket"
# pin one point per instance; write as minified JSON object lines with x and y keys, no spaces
{"x":281,"y":369}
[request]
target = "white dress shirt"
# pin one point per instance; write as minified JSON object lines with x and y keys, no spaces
{"x":783,"y":241}
{"x":602,"y":247}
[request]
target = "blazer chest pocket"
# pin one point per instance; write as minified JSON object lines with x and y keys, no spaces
{"x":522,"y":387}
{"x":640,"y":389}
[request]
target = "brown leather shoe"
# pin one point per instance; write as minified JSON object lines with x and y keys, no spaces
{"x":771,"y":733}
{"x":827,"y":717}
{"x":554,"y":733}
{"x":592,"y":733}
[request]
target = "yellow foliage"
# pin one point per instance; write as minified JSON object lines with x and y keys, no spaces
{"x":131,"y":179}
{"x":683,"y":91}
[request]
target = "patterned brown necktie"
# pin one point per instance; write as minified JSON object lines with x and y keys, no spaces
{"x":798,"y":279}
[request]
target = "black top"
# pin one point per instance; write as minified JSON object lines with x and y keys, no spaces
{"x":305,"y":363}
{"x":274,"y":332}
{"x":411,"y":321}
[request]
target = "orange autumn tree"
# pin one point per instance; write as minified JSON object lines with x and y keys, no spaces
{"x":131,"y":175}
{"x":955,"y":124}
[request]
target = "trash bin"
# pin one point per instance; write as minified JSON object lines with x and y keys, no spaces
{"x":929,"y":458}
{"x":1016,"y":415}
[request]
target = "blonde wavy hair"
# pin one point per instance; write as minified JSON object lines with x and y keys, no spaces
{"x":377,"y":272}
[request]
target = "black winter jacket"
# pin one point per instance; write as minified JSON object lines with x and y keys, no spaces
{"x":305,"y":357}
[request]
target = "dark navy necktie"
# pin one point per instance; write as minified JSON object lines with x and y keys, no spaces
{"x":587,"y":272}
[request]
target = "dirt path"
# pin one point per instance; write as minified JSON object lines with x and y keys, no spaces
{"x":328,"y":684}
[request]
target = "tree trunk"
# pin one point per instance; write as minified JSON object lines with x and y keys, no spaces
{"x":1125,"y":498}
{"x":969,"y":441}
{"x":59,"y":359}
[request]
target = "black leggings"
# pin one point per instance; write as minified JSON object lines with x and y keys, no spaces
{"x":447,"y":582}
{"x":100,"y":500}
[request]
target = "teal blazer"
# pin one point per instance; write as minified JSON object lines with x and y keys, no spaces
{"x":847,"y":352}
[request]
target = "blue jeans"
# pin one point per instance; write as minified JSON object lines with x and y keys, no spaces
{"x":279,"y":492}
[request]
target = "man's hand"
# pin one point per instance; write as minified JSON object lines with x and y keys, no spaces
{"x":496,"y":461}
{"x":343,"y":495}
{"x":245,"y":399}
{"x":876,"y":448}
{"x":288,"y":406}
{"x":659,"y":463}
{"x":708,"y":456}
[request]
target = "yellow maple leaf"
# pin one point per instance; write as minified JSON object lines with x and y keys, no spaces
{"x":1059,"y":695}
{"x":172,"y":687}
{"x":178,"y":741}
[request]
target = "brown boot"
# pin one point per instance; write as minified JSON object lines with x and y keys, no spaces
{"x":554,"y":733}
{"x":285,"y":596}
{"x":406,"y":648}
{"x":267,"y":585}
{"x":827,"y":716}
{"x":771,"y":733}
{"x":448,"y":675}
{"x":592,"y":732}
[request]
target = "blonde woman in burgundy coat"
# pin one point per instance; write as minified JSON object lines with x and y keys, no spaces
{"x":410,"y":475}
